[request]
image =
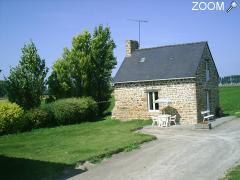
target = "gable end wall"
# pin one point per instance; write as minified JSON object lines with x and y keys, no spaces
{"x":202,"y":86}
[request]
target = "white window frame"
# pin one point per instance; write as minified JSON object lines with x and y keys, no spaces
{"x":153,"y":96}
{"x":207,"y":72}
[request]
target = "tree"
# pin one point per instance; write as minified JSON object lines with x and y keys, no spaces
{"x":85,"y":69}
{"x":26,"y":82}
{"x":101,"y":65}
{"x":2,"y":88}
{"x":67,"y":78}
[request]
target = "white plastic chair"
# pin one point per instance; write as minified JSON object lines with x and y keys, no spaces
{"x":173,"y":119}
{"x":164,"y":122}
{"x":154,"y":120}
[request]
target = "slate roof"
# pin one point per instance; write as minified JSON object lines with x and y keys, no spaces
{"x":165,"y":62}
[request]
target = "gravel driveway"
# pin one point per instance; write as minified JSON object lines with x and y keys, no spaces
{"x":176,"y":154}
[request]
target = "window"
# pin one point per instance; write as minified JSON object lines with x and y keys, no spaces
{"x":207,"y":72}
{"x":207,"y":100}
{"x":152,"y":96}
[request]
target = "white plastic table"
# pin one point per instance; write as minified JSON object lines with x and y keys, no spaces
{"x":163,"y":120}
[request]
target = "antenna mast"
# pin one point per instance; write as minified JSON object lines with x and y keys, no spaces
{"x":139,"y":21}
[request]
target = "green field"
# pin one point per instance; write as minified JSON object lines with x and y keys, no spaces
{"x":44,"y":152}
{"x":230,"y":100}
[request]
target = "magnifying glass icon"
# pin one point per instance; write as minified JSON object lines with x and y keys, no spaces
{"x":234,"y":4}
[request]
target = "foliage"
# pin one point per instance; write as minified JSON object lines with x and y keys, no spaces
{"x":42,"y":152}
{"x":67,"y":78}
{"x":26,"y":83}
{"x":234,"y":79}
{"x":3,"y":92}
{"x":103,"y":61}
{"x":55,"y":88}
{"x":85,"y":69}
{"x":10,"y":117}
{"x":61,"y":112}
{"x":72,"y":110}
{"x":49,"y":99}
{"x":36,"y":118}
{"x":219,"y":112}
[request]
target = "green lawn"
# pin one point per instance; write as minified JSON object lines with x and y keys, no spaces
{"x":233,"y":174}
{"x":230,"y":100}
{"x":45,"y":152}
{"x":3,"y":100}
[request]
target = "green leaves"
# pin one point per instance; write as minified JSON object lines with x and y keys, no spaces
{"x":85,"y":69}
{"x":10,"y":117}
{"x":26,"y":82}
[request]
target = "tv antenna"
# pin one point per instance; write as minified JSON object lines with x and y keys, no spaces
{"x":139,"y":21}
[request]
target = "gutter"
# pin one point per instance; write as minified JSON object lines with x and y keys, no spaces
{"x":154,"y":80}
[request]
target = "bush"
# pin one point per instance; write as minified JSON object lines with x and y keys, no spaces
{"x":72,"y":110}
{"x":49,"y":99}
{"x":219,"y":112}
{"x":11,"y":117}
{"x":36,"y":118}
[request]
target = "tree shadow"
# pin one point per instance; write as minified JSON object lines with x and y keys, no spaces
{"x":20,"y":168}
{"x":172,"y":111}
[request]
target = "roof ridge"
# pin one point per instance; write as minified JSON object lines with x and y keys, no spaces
{"x":172,"y":45}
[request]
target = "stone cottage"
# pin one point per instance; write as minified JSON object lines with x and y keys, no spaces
{"x":184,"y":73}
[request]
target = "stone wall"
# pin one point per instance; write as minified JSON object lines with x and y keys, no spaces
{"x":211,"y":85}
{"x":131,"y":99}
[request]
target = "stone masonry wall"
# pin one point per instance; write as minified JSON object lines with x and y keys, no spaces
{"x":202,"y":85}
{"x":131,"y":99}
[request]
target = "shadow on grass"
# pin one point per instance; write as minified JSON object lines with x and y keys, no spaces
{"x":19,"y":168}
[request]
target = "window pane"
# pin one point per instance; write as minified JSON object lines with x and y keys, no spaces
{"x":150,"y":100}
{"x":156,"y":104}
{"x":156,"y":95}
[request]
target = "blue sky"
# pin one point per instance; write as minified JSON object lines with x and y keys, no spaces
{"x":52,"y":24}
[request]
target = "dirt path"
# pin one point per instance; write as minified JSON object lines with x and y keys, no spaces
{"x":178,"y":154}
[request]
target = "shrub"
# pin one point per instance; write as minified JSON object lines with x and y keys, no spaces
{"x":72,"y":110}
{"x":36,"y":118}
{"x":11,"y":117}
{"x":219,"y":112}
{"x":49,"y":99}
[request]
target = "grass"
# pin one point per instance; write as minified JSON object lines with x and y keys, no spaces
{"x":3,"y":100}
{"x":230,"y":100}
{"x":233,"y":174}
{"x":36,"y":154}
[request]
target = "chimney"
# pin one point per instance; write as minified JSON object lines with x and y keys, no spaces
{"x":131,"y":46}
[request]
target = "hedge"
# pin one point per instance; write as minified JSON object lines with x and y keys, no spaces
{"x":36,"y":118}
{"x":72,"y":110}
{"x":11,"y":118}
{"x":61,"y":112}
